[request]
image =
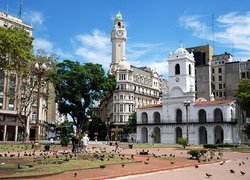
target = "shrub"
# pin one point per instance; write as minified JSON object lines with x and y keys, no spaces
{"x":214,"y":146}
{"x":183,"y":142}
{"x":64,"y":141}
{"x":197,"y":153}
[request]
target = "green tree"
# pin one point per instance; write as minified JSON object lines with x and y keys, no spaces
{"x":97,"y":126}
{"x":16,"y":52}
{"x":77,"y":87}
{"x":130,"y":126}
{"x":183,"y":142}
{"x":66,"y":128}
{"x":243,"y":96}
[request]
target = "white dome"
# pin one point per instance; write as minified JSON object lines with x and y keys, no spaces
{"x":181,"y":51}
{"x":155,"y":75}
{"x":123,"y":65}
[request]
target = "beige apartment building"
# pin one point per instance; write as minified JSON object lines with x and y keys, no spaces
{"x":11,"y":128}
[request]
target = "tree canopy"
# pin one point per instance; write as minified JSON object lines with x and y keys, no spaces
{"x":243,"y":95}
{"x":130,"y":127}
{"x":16,"y":52}
{"x":77,"y":87}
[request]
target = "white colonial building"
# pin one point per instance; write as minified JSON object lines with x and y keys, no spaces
{"x":181,"y":115}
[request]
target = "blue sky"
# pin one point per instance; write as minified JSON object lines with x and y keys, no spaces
{"x":80,"y":29}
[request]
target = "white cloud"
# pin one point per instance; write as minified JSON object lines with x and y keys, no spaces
{"x":95,"y":47}
{"x":230,"y":29}
{"x":42,"y":44}
{"x":48,"y":46}
{"x":35,"y":18}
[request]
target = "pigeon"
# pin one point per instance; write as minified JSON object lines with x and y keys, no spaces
{"x":102,"y":166}
{"x":221,"y":163}
{"x":146,"y":162}
{"x":232,"y":171}
{"x":242,"y":173}
{"x":196,"y":166}
{"x":208,"y":175}
{"x":171,"y":162}
{"x":75,"y":174}
{"x":123,"y":165}
{"x":132,"y":156}
{"x":239,"y":164}
{"x":243,"y":162}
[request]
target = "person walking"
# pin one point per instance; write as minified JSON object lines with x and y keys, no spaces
{"x":116,"y":146}
{"x":85,"y":141}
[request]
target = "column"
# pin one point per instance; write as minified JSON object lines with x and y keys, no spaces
{"x":4,"y":132}
{"x":16,"y":133}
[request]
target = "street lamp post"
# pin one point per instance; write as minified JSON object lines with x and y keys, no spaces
{"x":40,"y":70}
{"x":108,"y":124}
{"x":187,"y":104}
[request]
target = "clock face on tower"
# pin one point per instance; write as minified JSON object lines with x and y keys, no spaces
{"x":119,"y":33}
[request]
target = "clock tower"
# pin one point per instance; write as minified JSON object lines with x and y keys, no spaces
{"x":118,"y":39}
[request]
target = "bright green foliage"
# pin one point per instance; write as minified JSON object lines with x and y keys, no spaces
{"x":77,"y":87}
{"x":243,"y":94}
{"x":15,"y":49}
{"x":130,"y":126}
{"x":183,"y":142}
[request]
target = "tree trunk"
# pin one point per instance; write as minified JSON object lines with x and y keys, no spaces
{"x":25,"y":133}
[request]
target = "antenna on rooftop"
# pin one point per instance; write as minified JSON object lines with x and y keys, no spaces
{"x":20,"y":10}
{"x":213,"y":29}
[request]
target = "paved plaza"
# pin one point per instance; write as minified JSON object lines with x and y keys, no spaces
{"x":162,"y":169}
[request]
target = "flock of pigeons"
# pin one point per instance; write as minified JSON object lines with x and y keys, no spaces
{"x":102,"y":154}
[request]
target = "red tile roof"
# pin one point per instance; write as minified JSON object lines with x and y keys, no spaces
{"x":213,"y":102}
{"x":150,"y":106}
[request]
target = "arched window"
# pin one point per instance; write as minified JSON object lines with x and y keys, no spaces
{"x":218,"y":116}
{"x":189,"y":69}
{"x":202,"y":115}
{"x":177,"y":69}
{"x":178,"y":116}
{"x":157,"y":117}
{"x":144,"y":117}
{"x":119,"y":24}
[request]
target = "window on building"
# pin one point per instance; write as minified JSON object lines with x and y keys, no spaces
{"x":213,"y":70}
{"x":33,"y":118}
{"x":121,"y":107}
{"x":121,"y":118}
{"x":122,"y":76}
{"x":121,"y":97}
{"x":243,"y":75}
{"x":189,"y":69}
{"x":177,"y":69}
{"x":220,"y":78}
{"x":213,"y":78}
{"x":220,"y":94}
{"x":220,"y":86}
{"x":219,"y":70}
